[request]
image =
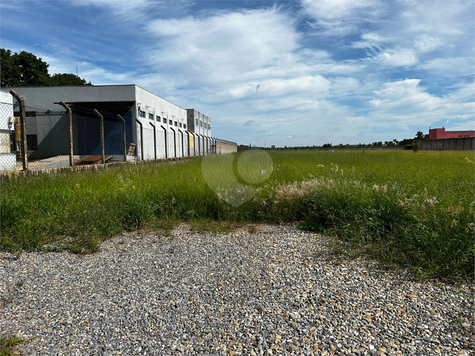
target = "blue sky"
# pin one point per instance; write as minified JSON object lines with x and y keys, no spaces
{"x":288,"y":73}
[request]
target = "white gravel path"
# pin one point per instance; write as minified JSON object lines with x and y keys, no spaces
{"x":255,"y":291}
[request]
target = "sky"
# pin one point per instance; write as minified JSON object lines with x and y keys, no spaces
{"x":283,"y":73}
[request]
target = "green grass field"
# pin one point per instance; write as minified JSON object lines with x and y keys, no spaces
{"x":400,"y":207}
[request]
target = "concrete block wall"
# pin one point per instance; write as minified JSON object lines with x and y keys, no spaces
{"x":225,"y":147}
{"x":449,"y":144}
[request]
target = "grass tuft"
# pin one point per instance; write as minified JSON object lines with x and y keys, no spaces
{"x":7,"y":343}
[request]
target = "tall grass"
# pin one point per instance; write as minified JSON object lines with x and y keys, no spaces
{"x":401,"y":207}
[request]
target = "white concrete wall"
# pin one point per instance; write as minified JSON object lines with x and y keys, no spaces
{"x":157,"y":106}
{"x":6,"y":109}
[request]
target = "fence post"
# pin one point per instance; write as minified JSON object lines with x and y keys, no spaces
{"x":23,"y":142}
{"x":166,"y":144}
{"x":103,"y":152}
{"x":154,"y":140}
{"x":70,"y":116}
{"x":125,"y":138}
{"x":141,"y":138}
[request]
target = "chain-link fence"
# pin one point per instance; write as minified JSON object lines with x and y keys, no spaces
{"x":8,"y":140}
{"x":81,"y":134}
{"x":67,"y":136}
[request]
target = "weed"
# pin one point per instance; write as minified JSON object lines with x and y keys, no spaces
{"x":7,"y":343}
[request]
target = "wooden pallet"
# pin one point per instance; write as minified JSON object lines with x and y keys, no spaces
{"x":91,"y":160}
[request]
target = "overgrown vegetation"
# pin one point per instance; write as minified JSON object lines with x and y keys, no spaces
{"x":7,"y":343}
{"x":400,"y":207}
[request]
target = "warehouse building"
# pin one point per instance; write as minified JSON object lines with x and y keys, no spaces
{"x":200,"y":124}
{"x":155,"y":127}
{"x":440,"y":134}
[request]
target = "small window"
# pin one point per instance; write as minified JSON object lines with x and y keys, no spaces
{"x":141,"y":113}
{"x":158,"y":118}
{"x":170,"y":122}
{"x":184,"y":126}
{"x":201,"y":123}
{"x":181,"y":125}
{"x":150,"y":117}
{"x":209,"y":127}
{"x":176,"y":123}
{"x":196,"y":122}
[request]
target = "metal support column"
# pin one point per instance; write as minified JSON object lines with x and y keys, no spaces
{"x":71,"y":147}
{"x":125,"y":137}
{"x":103,"y":150}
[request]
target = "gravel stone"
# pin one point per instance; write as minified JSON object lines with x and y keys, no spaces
{"x":259,"y":290}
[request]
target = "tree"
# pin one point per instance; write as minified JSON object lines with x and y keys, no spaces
{"x":420,"y":135}
{"x":66,"y":79}
{"x":6,"y":67}
{"x":25,"y":69}
{"x":406,"y":141}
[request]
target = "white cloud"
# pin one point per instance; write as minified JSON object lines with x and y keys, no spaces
{"x":224,"y":46}
{"x":397,"y":58}
{"x":335,"y":9}
{"x":426,"y":43}
{"x":275,"y":87}
{"x":370,"y":40}
{"x":118,"y":6}
{"x":341,"y":17}
{"x":405,"y":103}
{"x":449,"y":67}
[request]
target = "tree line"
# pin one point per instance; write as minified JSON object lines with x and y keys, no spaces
{"x":25,"y":69}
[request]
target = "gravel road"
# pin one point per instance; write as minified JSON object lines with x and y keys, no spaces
{"x":263,"y":290}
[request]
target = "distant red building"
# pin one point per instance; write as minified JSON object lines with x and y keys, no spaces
{"x":437,"y":134}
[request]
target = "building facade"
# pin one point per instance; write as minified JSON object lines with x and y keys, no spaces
{"x":200,"y":125}
{"x":438,"y":134}
{"x":155,"y":127}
